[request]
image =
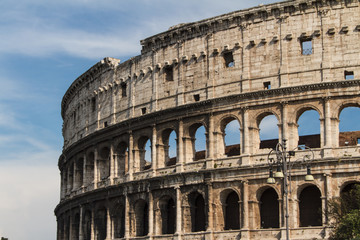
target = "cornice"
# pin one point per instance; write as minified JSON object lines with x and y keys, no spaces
{"x":241,"y":18}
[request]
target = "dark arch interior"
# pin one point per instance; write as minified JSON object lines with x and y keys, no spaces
{"x":198,"y":216}
{"x":232,"y":217}
{"x":310,"y":207}
{"x":269,"y":209}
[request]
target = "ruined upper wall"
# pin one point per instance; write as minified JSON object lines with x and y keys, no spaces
{"x":241,"y":52}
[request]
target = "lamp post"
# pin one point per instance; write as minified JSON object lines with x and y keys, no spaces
{"x":283,"y":170}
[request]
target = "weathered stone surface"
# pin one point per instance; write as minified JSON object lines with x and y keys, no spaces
{"x":240,"y":66}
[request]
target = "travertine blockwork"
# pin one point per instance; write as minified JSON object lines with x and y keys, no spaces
{"x":280,"y":59}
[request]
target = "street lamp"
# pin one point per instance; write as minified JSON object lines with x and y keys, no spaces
{"x":283,"y":170}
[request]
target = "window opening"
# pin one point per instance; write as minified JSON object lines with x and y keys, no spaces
{"x":267,"y":85}
{"x":349,"y":75}
{"x":306,"y":46}
{"x":105,"y":124}
{"x":93,"y":104}
{"x":123,"y":89}
{"x":196,"y":97}
{"x":358,"y":141}
{"x":143,"y":110}
{"x":169,"y":73}
{"x":229,"y":59}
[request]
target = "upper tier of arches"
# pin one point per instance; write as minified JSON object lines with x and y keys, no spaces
{"x":248,"y":54}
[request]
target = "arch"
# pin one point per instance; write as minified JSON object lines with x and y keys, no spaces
{"x":168,"y":215}
{"x":118,"y":219}
{"x":76,"y":227}
{"x":79,"y":171}
{"x":121,"y":157}
{"x":89,"y":168}
{"x":87,"y":225}
{"x":309,"y":134}
{"x":195,"y":143}
{"x":168,"y":151}
{"x":231,"y":210}
{"x":350,"y":199}
{"x":310,"y":206}
{"x":349,"y":130}
{"x":141,"y":218}
{"x":144,"y":153}
{"x":267,"y":123}
{"x":104,"y":163}
{"x":230,"y":134}
{"x":197,"y":212}
{"x":100,"y":223}
{"x":269,"y":209}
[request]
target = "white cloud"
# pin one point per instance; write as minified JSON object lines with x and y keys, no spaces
{"x":28,"y":197}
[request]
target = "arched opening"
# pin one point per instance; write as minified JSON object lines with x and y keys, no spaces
{"x":104,"y":163}
{"x":200,"y":143}
{"x":79,"y":173}
{"x":269,"y":132}
{"x":310,"y":207}
{"x":168,"y":215}
{"x":309,"y":129}
{"x":71,"y":178}
{"x":89,"y":169}
{"x":87,"y":225}
{"x":231,"y":133}
{"x":100,"y":224}
{"x":141,"y":218}
{"x":122,"y":154}
{"x":269,"y":209}
{"x":349,"y":127}
{"x":169,"y":150}
{"x":172,"y":149}
{"x":232,"y":213}
{"x":145,"y":153}
{"x":349,"y":197}
{"x":118,"y":219}
{"x":75,"y":227}
{"x":198,"y":213}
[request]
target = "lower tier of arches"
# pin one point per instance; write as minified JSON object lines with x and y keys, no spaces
{"x":219,"y":204}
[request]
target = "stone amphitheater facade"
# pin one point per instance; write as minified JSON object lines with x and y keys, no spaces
{"x":280,"y":59}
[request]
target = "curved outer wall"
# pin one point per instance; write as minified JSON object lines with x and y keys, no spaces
{"x":240,"y":66}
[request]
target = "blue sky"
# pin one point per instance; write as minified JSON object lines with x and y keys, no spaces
{"x":44,"y":46}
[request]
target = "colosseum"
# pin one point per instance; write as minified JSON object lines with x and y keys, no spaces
{"x":131,"y":167}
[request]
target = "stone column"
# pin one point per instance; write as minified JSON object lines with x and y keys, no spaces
{"x":151,"y":214}
{"x":210,"y":226}
{"x":95,"y":168}
{"x":131,"y":156}
{"x":108,"y":224}
{"x":92,"y":224}
{"x":75,"y":184}
{"x":127,"y":217}
{"x":245,"y":215}
{"x":245,"y":133}
{"x":327,"y":115}
{"x":154,"y":160}
{"x":180,"y":146}
{"x":178,"y":212}
{"x":112,"y":164}
{"x":284,"y":118}
{"x":210,"y":138}
{"x":84,"y":172}
{"x":81,"y":236}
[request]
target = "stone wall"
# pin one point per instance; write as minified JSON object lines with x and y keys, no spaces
{"x":281,"y":59}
